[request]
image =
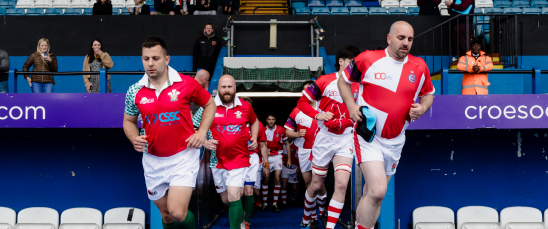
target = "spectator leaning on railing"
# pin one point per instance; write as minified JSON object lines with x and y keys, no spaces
{"x":475,"y":61}
{"x":206,"y":7}
{"x":102,"y":7}
{"x":41,"y":61}
{"x":140,"y":8}
{"x":228,"y":7}
{"x":164,"y":7}
{"x":94,"y":61}
{"x":4,"y":67}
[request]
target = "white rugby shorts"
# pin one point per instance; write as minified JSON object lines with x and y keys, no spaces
{"x":290,"y":174}
{"x":180,"y":169}
{"x":251,"y":175}
{"x":380,"y":149}
{"x":327,"y":145}
{"x":275,"y":162}
{"x":304,"y":159}
{"x":224,"y":178}
{"x":259,"y":176}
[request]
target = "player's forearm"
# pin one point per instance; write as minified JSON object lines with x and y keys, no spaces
{"x":130,"y":129}
{"x":304,"y":105}
{"x":346,"y":91}
{"x":207,"y":116}
{"x":426,"y":102}
{"x":255,"y":129}
{"x":288,"y":149}
{"x":264,"y":151}
{"x":292,"y":134}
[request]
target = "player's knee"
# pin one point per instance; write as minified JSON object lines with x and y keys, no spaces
{"x":316,"y":186}
{"x":377,"y":193}
{"x":341,"y":185}
{"x":233,"y":197}
{"x":178,"y":215}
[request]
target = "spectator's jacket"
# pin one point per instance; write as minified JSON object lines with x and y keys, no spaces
{"x":165,"y":7}
{"x":429,"y":7}
{"x":105,"y":59}
{"x":206,"y":52}
{"x":475,"y":83}
{"x":145,"y":10}
{"x":212,"y":5}
{"x":235,"y":4}
{"x":40,"y":65}
{"x":102,"y":9}
{"x":462,"y":7}
{"x":4,"y":65}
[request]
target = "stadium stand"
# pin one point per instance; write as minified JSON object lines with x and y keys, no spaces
{"x":115,"y":11}
{"x":520,"y":3}
{"x":397,"y":11}
{"x":15,"y":12}
{"x":334,"y":3}
{"x":413,"y":11}
{"x":493,"y":11}
{"x":43,"y":4}
{"x":117,"y":218}
{"x":371,"y":4}
{"x":539,"y":3}
{"x":69,"y":11}
{"x":80,"y":4}
{"x":319,"y":3}
{"x":469,"y":217}
{"x":61,"y":4}
{"x":298,"y":4}
{"x":353,"y":3}
{"x":512,"y":10}
{"x":303,"y":11}
{"x":38,"y":218}
{"x":520,"y":218}
{"x":54,"y":11}
{"x":433,"y":217}
{"x":25,"y":4}
{"x":443,"y":9}
{"x":81,"y":218}
{"x":531,"y":11}
{"x":483,"y":3}
{"x":7,"y":218}
{"x":377,"y":11}
{"x":408,"y":3}
{"x":339,"y":11}
{"x":88,"y":11}
{"x":502,"y":4}
{"x":390,"y":3}
{"x":359,"y":11}
{"x":320,"y":11}
{"x":35,"y":12}
{"x":118,"y":3}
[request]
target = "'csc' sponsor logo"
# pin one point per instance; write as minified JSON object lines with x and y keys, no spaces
{"x":163,"y":117}
{"x":230,"y":129}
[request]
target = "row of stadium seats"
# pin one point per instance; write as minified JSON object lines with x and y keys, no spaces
{"x":355,"y":3}
{"x":57,"y":11}
{"x":519,"y":3}
{"x":61,"y":3}
{"x":479,"y":217}
{"x":74,"y":218}
{"x":543,"y":10}
{"x":357,"y":11}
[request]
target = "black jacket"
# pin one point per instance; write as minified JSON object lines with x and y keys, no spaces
{"x":235,"y":4}
{"x":145,"y":10}
{"x":206,"y":52}
{"x":102,"y":9}
{"x":212,"y":5}
{"x":165,"y":7}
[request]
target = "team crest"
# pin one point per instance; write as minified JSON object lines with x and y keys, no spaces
{"x":394,"y":166}
{"x":174,"y":95}
{"x":213,"y":43}
{"x":238,"y":114}
{"x":412,"y":77}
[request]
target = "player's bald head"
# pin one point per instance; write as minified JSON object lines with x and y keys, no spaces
{"x":400,"y":26}
{"x":227,"y":80}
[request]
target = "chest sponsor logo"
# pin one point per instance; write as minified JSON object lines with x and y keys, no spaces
{"x":162,"y":117}
{"x":217,"y":115}
{"x":174,"y":95}
{"x":302,"y":120}
{"x":144,"y":100}
{"x":230,"y":129}
{"x":412,"y":78}
{"x":238,"y":114}
{"x":382,"y":76}
{"x":333,"y":93}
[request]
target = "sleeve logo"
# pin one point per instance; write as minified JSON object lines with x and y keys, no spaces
{"x":144,"y":100}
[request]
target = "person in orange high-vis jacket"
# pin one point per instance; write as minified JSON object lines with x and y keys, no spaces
{"x":475,"y":62}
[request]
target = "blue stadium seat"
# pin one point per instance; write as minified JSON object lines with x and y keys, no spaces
{"x":371,"y":4}
{"x":531,"y":11}
{"x":149,"y":3}
{"x":544,"y":10}
{"x":303,"y":11}
{"x":353,"y":3}
{"x":512,"y":11}
{"x":502,"y":3}
{"x":320,"y":11}
{"x":298,"y":4}
{"x":397,"y":11}
{"x":520,"y":4}
{"x":359,"y":11}
{"x":2,"y":11}
{"x":377,"y":11}
{"x":413,"y":11}
{"x":15,"y":12}
{"x":54,"y":11}
{"x":334,"y":3}
{"x":115,"y":11}
{"x":125,"y":11}
{"x":318,"y":3}
{"x":73,"y":11}
{"x":493,"y":11}
{"x":539,"y":3}
{"x":88,"y":11}
{"x":35,"y":12}
{"x":339,"y":10}
{"x":7,"y":4}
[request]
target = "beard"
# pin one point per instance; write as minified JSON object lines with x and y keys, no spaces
{"x":230,"y":97}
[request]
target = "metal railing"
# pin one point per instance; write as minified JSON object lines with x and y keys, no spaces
{"x":535,"y":75}
{"x":13,"y":73}
{"x":275,"y":7}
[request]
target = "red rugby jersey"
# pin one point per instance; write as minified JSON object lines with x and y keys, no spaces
{"x":274,"y":139}
{"x":299,"y":120}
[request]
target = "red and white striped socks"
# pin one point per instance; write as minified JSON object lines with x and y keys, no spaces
{"x":334,"y":210}
{"x":309,"y":208}
{"x":284,"y":196}
{"x":265,"y":194}
{"x":358,"y":226}
{"x":276,"y":193}
{"x":320,"y":200}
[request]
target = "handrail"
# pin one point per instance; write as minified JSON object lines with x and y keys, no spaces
{"x":456,"y":16}
{"x":275,"y":7}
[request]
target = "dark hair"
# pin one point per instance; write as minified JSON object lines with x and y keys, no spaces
{"x":208,"y":24}
{"x":474,"y":41}
{"x":247,"y":99}
{"x":270,"y":114}
{"x":91,"y":53}
{"x":307,"y":82}
{"x":153,"y":41}
{"x":346,"y":52}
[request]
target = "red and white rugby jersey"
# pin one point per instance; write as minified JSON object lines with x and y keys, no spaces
{"x":166,"y":113}
{"x":294,"y":154}
{"x":299,"y":120}
{"x":326,"y":92}
{"x":274,"y":139}
{"x":389,"y":87}
{"x":230,"y":128}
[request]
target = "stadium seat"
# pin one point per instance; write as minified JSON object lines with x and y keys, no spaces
{"x":539,"y":3}
{"x":7,"y":4}
{"x":397,"y":11}
{"x":339,"y":10}
{"x":119,"y":3}
{"x":149,"y":3}
{"x":502,"y":3}
{"x":15,"y":12}
{"x":520,"y":3}
{"x":413,"y":11}
{"x":298,"y":4}
{"x":470,"y":216}
{"x":352,"y":3}
{"x":359,"y":11}
{"x":371,"y":4}
{"x":433,"y":217}
{"x":73,"y":11}
{"x":124,"y":11}
{"x":377,"y":11}
{"x":544,"y":10}
{"x":81,"y":218}
{"x":3,"y":12}
{"x":7,"y":217}
{"x":390,"y":3}
{"x":37,"y":218}
{"x":483,"y":3}
{"x":408,"y":3}
{"x":25,"y":4}
{"x":54,"y":11}
{"x":43,"y":3}
{"x":79,"y":4}
{"x":443,"y":9}
{"x":115,"y":11}
{"x":131,"y":3}
{"x":531,"y":11}
{"x":520,"y":215}
{"x":61,"y":4}
{"x":116,"y":217}
{"x":493,"y":11}
{"x":35,"y":12}
{"x":302,"y":11}
{"x":334,"y":3}
{"x":315,"y":3}
{"x":320,"y":11}
{"x":88,"y":11}
{"x":512,"y":11}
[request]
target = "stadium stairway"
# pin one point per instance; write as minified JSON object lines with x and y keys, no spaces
{"x":247,"y":7}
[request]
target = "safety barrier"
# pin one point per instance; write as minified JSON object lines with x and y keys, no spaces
{"x":535,"y":74}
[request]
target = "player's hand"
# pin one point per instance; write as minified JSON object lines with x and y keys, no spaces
{"x":448,"y":3}
{"x":289,"y":164}
{"x":253,"y":144}
{"x":266,"y":172}
{"x":139,"y":143}
{"x":324,"y":116}
{"x":30,"y":83}
{"x":196,"y":140}
{"x":88,"y":86}
{"x":417,"y":110}
{"x":355,"y":113}
{"x":302,"y":132}
{"x":211,"y":144}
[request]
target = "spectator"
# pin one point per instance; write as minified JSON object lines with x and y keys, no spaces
{"x":429,"y":7}
{"x":140,"y":8}
{"x":229,"y":7}
{"x":206,"y":50}
{"x":187,"y":6}
{"x":456,"y":8}
{"x":94,"y":61}
{"x":475,"y":61}
{"x":102,"y":7}
{"x":4,"y":67}
{"x":164,"y":7}
{"x":202,"y":77}
{"x":41,"y":61}
{"x":205,"y":7}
